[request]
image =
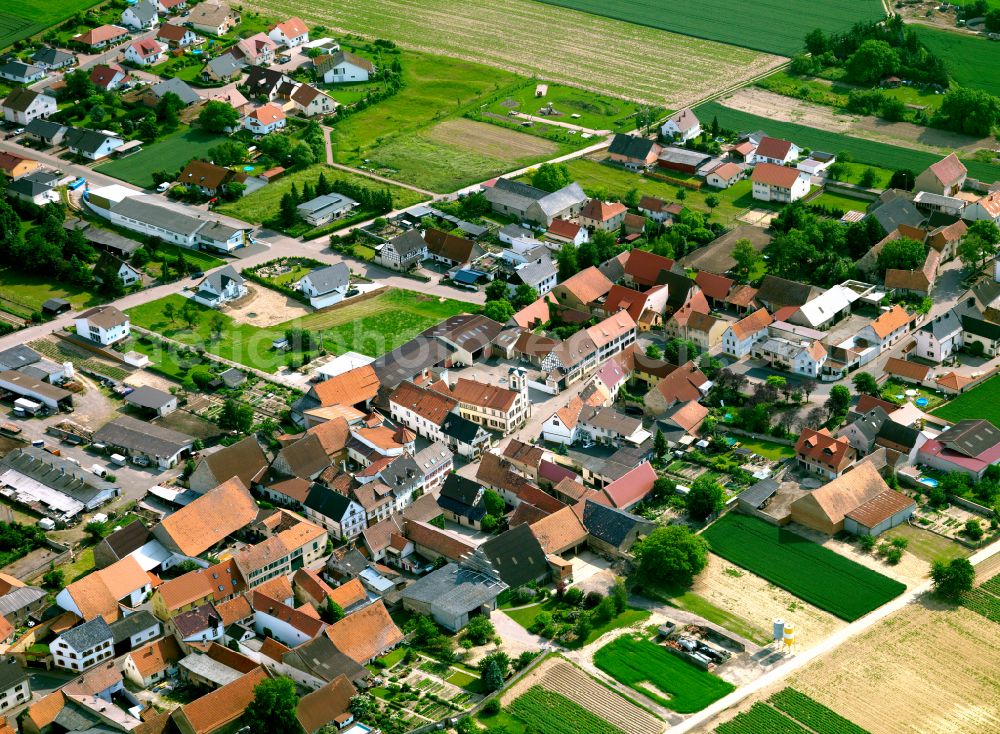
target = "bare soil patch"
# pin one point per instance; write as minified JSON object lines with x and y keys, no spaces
{"x":265,"y":307}
{"x":490,"y":140}
{"x":758,"y":602}
{"x":786,"y":109}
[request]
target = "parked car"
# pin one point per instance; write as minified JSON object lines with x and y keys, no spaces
{"x":163,"y":186}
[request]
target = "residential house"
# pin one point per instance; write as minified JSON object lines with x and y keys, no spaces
{"x":403,"y":252}
{"x":980,"y":333}
{"x":91,"y":144}
{"x":326,"y":208}
{"x":52,"y":59}
{"x":224,"y":68}
{"x":18,"y":601}
{"x":152,"y":662}
{"x":611,"y":531}
{"x":342,"y":67}
{"x":208,"y":520}
{"x":104,"y":593}
{"x":821,"y":453}
{"x":166,"y":7}
{"x":209,"y":178}
{"x":535,"y":205}
{"x":946,"y":177}
{"x":775,"y":151}
{"x":290,"y":33}
{"x":581,"y":290}
{"x":633,"y":152}
{"x":141,"y":16}
{"x":606,"y":216}
{"x":919,"y":282}
{"x":326,"y":286}
{"x":434,"y":463}
{"x":888,"y":328}
{"x":941,"y":337}
{"x":103,"y":324}
{"x":133,"y":629}
{"x":450,"y":249}
{"x":213,"y":17}
{"x":16,"y":166}
{"x":329,"y":704}
{"x":108,"y":77}
{"x":497,"y":408}
{"x":562,"y":230}
{"x":265,"y":119}
{"x":256,"y":50}
{"x":176,"y":36}
{"x":704,"y":330}
{"x":342,"y":517}
{"x":145,"y":52}
{"x":985,"y":208}
{"x":740,"y":337}
{"x":38,"y":187}
{"x":610,"y":427}
{"x":83,"y":646}
{"x":15,"y":687}
{"x":24,"y":105}
{"x":310,"y":101}
{"x":102,"y":36}
{"x":946,"y":238}
{"x":657,"y":209}
{"x":798,"y":356}
{"x":461,"y":500}
{"x":18,"y":71}
{"x":646,"y":309}
{"x":681,"y":126}
{"x":643,"y":269}
{"x":221,"y":286}
{"x":725,"y":175}
{"x":541,"y":276}
{"x":681,"y":384}
{"x":772,"y":182}
{"x":970,"y":446}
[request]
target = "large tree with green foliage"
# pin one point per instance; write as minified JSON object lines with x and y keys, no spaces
{"x":273,"y":708}
{"x":551,"y":177}
{"x":671,"y":555}
{"x":952,"y":579}
{"x":705,"y":498}
{"x":218,"y":117}
{"x":872,"y":61}
{"x":969,"y":111}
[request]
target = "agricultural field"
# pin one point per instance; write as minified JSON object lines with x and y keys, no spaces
{"x":458,"y":152}
{"x":862,"y":150}
{"x":662,"y":676}
{"x":775,"y":26}
{"x":169,"y":154}
{"x":263,"y":204}
{"x":535,"y":40}
{"x":808,"y":570}
{"x":813,"y":714}
{"x":985,"y":599}
{"x":27,"y":17}
{"x":982,"y":401}
{"x":557,"y":714}
{"x":558,"y":676}
{"x":972,"y":61}
{"x":596,"y":111}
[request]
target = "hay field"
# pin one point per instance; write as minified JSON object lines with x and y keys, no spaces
{"x":557,"y":44}
{"x":490,"y":140}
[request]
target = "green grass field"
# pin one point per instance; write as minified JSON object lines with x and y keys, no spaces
{"x":767,"y":449}
{"x":264,"y":203}
{"x":926,"y":545}
{"x":556,"y":714}
{"x":840,"y":201}
{"x":24,"y":18}
{"x":662,"y":676}
{"x":598,"y":112}
{"x":863,"y":151}
{"x":982,"y":401}
{"x":31,"y":291}
{"x":973,"y":61}
{"x":804,"y":568}
{"x":372,"y":327}
{"x":774,"y":26}
{"x":170,"y":154}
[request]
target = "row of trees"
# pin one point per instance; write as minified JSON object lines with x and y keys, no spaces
{"x":378,"y":201}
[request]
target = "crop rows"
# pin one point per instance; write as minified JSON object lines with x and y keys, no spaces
{"x":863,"y":151}
{"x":808,"y":570}
{"x":555,"y":714}
{"x":571,"y":682}
{"x":984,"y":603}
{"x":813,"y":714}
{"x":992,"y":585}
{"x":635,"y":661}
{"x":760,"y":719}
{"x":775,"y":26}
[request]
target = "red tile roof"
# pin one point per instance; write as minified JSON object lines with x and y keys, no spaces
{"x":632,"y":487}
{"x":774,"y":175}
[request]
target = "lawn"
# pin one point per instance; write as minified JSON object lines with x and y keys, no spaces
{"x":775,"y":26}
{"x":31,"y":291}
{"x":973,"y":61}
{"x":982,"y":401}
{"x":80,"y":566}
{"x":662,"y":676}
{"x":553,"y":713}
{"x":393,"y":657}
{"x":200,"y":259}
{"x":863,"y":151}
{"x":841,"y":202}
{"x":25,"y":18}
{"x":596,"y":111}
{"x":804,"y":568}
{"x":767,"y":449}
{"x":170,"y":154}
{"x":895,"y":392}
{"x":525,"y":616}
{"x":628,"y":618}
{"x":926,"y":545}
{"x":264,"y":203}
{"x":380,"y":324}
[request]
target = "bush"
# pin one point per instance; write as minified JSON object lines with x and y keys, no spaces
{"x":573,"y":597}
{"x":592,"y":599}
{"x":867,"y":542}
{"x":491,"y":707}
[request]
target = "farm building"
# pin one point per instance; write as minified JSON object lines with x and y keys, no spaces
{"x":453,"y":594}
{"x":859,"y":502}
{"x":682,"y":159}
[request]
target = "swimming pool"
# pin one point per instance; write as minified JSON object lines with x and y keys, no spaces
{"x":928,"y":481}
{"x":921,"y":402}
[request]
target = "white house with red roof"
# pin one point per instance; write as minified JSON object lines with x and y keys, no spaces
{"x":725,"y":175}
{"x":265,"y":119}
{"x":108,"y":76}
{"x":176,"y":35}
{"x":166,"y":7}
{"x":598,"y":214}
{"x":946,"y":177}
{"x":293,"y":32}
{"x":773,"y":182}
{"x":985,"y":208}
{"x":146,"y":52}
{"x":631,"y":488}
{"x":775,"y":150}
{"x":563,"y":230}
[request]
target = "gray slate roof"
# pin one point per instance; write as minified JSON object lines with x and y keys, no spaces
{"x":896,"y":212}
{"x":330,"y":278}
{"x":224,"y":65}
{"x":145,"y":396}
{"x":89,"y":141}
{"x":455,"y":589}
{"x":608,"y":524}
{"x":132,"y":624}
{"x":157,"y":216}
{"x":219,"y":279}
{"x":180,"y":88}
{"x":52,"y":57}
{"x":44,"y":129}
{"x":18,"y":356}
{"x":88,"y":635}
{"x":11,"y":673}
{"x":408,"y":242}
{"x":630,"y":146}
{"x":516,"y":555}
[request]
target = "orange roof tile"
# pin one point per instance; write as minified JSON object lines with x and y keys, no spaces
{"x":560,"y":530}
{"x":889,"y":321}
{"x":366,"y":634}
{"x":602,"y":211}
{"x":311,"y":584}
{"x":587,"y":286}
{"x":348,"y":594}
{"x":97,"y":594}
{"x":223,"y":705}
{"x":156,"y":656}
{"x":774,"y":175}
{"x":209,"y":519}
{"x":279,"y":588}
{"x":752,"y":324}
{"x":234,"y":610}
{"x":349,"y":388}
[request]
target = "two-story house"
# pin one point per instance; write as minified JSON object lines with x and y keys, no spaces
{"x":221,"y":286}
{"x":818,"y":452}
{"x":105,"y":325}
{"x":888,"y":328}
{"x":326,"y":286}
{"x":342,"y":517}
{"x":739,"y":338}
{"x":290,"y":33}
{"x":775,"y":151}
{"x":24,"y":105}
{"x":343,"y":66}
{"x":403,"y":252}
{"x":145,"y":52}
{"x":265,"y":119}
{"x":772,"y":182}
{"x":83,"y":646}
{"x":15,"y":683}
{"x":682,"y":125}
{"x":142,"y":16}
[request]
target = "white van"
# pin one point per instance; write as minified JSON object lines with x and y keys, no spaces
{"x":118,"y":459}
{"x":99,"y":470}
